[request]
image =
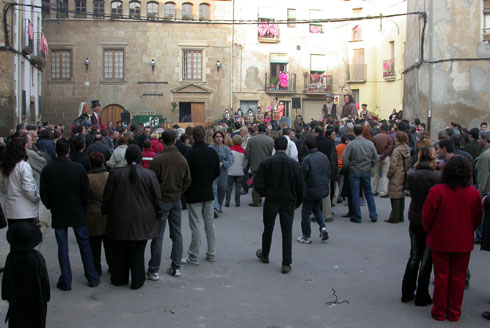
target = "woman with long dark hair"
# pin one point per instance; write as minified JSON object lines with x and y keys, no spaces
{"x":18,"y":185}
{"x":132,"y":202}
{"x":451,"y":213}
{"x":419,"y":267}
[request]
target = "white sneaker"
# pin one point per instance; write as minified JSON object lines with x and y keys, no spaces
{"x":187,"y":260}
{"x":153,"y":276}
{"x":304,"y":240}
{"x":173,"y":272}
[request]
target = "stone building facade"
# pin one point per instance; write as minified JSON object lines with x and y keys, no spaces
{"x":153,"y":58}
{"x":450,"y":83}
{"x":361,"y":57}
{"x":212,"y":55}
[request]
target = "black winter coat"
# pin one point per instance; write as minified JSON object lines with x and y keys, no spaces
{"x":316,"y":172}
{"x":25,"y":285}
{"x":327,"y":146}
{"x":64,"y":191}
{"x":204,"y":166}
{"x":419,"y":183}
{"x":280,"y":180}
{"x":81,"y":158}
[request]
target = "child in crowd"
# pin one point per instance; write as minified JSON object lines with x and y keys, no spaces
{"x":25,"y":284}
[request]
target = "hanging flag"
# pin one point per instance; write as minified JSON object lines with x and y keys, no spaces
{"x":30,"y":31}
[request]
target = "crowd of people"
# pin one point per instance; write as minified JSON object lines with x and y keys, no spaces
{"x":117,"y":186}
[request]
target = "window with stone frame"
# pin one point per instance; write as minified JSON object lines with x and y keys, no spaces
{"x":152,"y":10}
{"x":114,"y":64}
{"x":80,"y":8}
{"x":192,"y":65}
{"x":291,"y":17}
{"x":204,"y":11}
{"x":134,"y":9}
{"x":486,"y":20}
{"x":64,"y":9}
{"x":46,"y":8}
{"x":61,"y":64}
{"x":187,"y":11}
{"x":116,"y":8}
{"x":169,"y":10}
{"x":357,"y":28}
{"x":99,"y":8}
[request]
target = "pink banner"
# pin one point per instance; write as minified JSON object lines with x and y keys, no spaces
{"x":266,"y":29}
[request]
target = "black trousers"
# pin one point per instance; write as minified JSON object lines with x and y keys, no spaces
{"x":286,"y":214}
{"x":96,"y":248}
{"x":419,"y":264}
{"x":126,"y":256}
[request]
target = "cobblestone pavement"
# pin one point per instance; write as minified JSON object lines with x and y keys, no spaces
{"x":363,"y":263}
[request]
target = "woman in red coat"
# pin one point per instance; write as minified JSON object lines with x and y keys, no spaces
{"x":450,"y":216}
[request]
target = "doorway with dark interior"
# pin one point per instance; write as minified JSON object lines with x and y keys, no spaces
{"x":185,"y":112}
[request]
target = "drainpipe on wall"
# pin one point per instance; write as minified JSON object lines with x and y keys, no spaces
{"x":231,"y":59}
{"x":431,"y":29}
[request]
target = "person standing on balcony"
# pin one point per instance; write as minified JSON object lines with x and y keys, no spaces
{"x":364,"y":114}
{"x":329,"y":110}
{"x":349,"y":109}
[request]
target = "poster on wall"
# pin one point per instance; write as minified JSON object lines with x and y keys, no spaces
{"x":153,"y":121}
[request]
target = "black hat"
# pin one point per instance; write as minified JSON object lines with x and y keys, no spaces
{"x":364,"y":105}
{"x":24,"y":236}
{"x":95,"y":103}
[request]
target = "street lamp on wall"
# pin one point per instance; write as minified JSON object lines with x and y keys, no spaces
{"x":86,"y":62}
{"x":153,"y":63}
{"x":218,"y":65}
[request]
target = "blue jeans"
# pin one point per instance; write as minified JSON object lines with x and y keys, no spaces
{"x":81,"y":234}
{"x":219,"y":190}
{"x":309,"y":206}
{"x":356,"y":182}
{"x":172,"y":212}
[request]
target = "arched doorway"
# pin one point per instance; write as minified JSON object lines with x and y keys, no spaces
{"x":111,"y":113}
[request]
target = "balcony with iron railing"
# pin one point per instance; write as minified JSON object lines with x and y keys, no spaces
{"x":285,"y":84}
{"x":268,"y":32}
{"x":357,"y":73}
{"x":389,"y":70}
{"x":318,"y":83}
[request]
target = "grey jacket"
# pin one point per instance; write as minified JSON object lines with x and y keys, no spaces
{"x":37,"y":163}
{"x":360,"y":155}
{"x":259,"y":148}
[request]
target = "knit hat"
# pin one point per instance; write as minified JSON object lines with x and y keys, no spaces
{"x":24,"y":236}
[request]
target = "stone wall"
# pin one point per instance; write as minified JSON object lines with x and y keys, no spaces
{"x":454,"y":90}
{"x":142,"y":90}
